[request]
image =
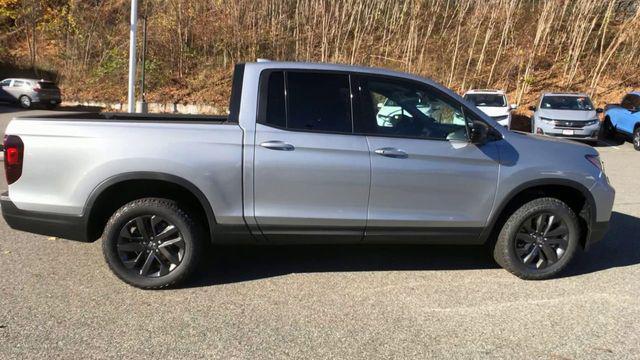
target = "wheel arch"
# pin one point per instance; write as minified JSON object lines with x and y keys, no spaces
{"x":116,"y":191}
{"x":576,"y":195}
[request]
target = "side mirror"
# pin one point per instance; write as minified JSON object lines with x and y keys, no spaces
{"x":599,"y":110}
{"x":514,"y":106}
{"x":532,"y":108}
{"x":380,"y":105}
{"x":478,"y":133}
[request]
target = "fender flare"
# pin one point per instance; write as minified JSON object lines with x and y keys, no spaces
{"x":149,"y":175}
{"x":499,"y":209}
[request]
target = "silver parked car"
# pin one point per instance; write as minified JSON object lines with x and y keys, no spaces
{"x":28,"y":92}
{"x":303,"y":158}
{"x":569,"y":115}
{"x":493,"y":103}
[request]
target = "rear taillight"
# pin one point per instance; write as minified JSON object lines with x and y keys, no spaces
{"x":13,"y":155}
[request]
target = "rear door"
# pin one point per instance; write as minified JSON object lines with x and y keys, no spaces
{"x":428,"y":183}
{"x":311,"y":174}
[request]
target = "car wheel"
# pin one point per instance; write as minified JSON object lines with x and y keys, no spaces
{"x":152,"y":243}
{"x":25,"y":101}
{"x":538,"y":240}
{"x":636,"y":138}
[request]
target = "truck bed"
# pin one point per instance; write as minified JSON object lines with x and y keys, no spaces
{"x":115,"y":116}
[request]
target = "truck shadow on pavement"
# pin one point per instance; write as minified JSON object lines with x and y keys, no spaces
{"x":231,"y":264}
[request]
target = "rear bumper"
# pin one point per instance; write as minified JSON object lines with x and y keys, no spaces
{"x":62,"y":226}
{"x":47,"y":99}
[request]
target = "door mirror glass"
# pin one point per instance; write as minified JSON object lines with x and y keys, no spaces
{"x":532,"y":108}
{"x":478,"y":133}
{"x":599,"y":110}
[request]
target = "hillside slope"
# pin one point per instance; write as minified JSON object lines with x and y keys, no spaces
{"x":521,"y":46}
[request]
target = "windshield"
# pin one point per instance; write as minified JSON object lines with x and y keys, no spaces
{"x":566,"y":103}
{"x":492,"y":100}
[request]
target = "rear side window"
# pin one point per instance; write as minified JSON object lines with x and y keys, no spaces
{"x":627,"y":102}
{"x":47,"y":85}
{"x":308,"y":101}
{"x":276,"y":114}
{"x":318,"y":102}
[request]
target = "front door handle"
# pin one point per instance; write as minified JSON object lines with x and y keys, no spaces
{"x":277,"y":145}
{"x":392,"y":153}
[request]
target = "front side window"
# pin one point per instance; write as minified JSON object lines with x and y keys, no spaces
{"x":408,"y":110}
{"x":18,"y":83}
{"x":5,"y":82}
{"x":488,"y":100}
{"x":308,"y":101}
{"x":554,"y":102}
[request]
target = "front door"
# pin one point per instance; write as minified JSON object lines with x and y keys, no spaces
{"x":428,"y":183}
{"x":311,"y":174}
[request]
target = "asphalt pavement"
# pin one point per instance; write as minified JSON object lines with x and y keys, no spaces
{"x":59,"y":300}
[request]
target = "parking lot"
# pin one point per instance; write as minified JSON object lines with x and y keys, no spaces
{"x":58,"y":298}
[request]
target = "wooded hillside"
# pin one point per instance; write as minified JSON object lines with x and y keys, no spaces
{"x":521,"y":46}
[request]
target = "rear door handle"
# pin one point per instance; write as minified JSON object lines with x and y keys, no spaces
{"x":392,"y":153}
{"x":277,"y":145}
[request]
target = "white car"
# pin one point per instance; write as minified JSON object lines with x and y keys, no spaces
{"x":493,"y":103}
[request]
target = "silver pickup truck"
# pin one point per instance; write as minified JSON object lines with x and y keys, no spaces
{"x":301,"y":159}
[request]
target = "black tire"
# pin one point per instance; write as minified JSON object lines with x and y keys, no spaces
{"x":167,"y":213}
{"x":636,"y":138}
{"x":25,"y":102}
{"x":608,"y":132}
{"x":506,"y":248}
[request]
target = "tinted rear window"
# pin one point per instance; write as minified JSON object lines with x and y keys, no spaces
{"x":47,"y":85}
{"x":276,"y":114}
{"x":492,"y":100}
{"x":319,"y":102}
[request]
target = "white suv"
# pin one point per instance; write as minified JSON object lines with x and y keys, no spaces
{"x":493,"y":103}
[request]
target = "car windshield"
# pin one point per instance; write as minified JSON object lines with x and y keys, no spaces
{"x":566,"y":103}
{"x":493,"y":100}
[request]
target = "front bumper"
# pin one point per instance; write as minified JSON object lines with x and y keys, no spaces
{"x":62,"y":226}
{"x":590,"y":132}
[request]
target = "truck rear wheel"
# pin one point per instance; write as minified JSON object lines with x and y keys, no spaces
{"x":152,"y":243}
{"x":538,"y":240}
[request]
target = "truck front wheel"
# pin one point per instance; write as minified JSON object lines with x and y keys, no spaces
{"x":538,"y":240}
{"x":152,"y":243}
